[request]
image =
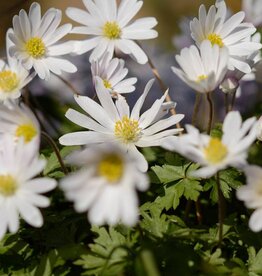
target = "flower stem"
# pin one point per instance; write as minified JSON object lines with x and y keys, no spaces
{"x":149,"y":263}
{"x":226,"y":103}
{"x":162,"y":86}
{"x":56,"y":150}
{"x":196,"y":108}
{"x":220,"y":210}
{"x":211,"y":112}
{"x":231,"y":106}
{"x":67,"y":83}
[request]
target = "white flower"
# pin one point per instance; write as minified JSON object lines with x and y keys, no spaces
{"x":110,"y":28}
{"x":113,"y":122}
{"x":13,"y":76}
{"x":20,"y":192}
{"x":202,"y":71}
{"x":259,"y":129}
{"x":212,"y":153}
{"x":230,"y":33}
{"x":251,"y":194}
{"x":112,"y":72}
{"x":106,"y":185}
{"x":253,"y":11}
{"x":36,"y":41}
{"x":18,"y":122}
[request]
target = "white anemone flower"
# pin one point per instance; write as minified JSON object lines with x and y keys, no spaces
{"x":36,"y":41}
{"x":213,"y":153}
{"x":19,"y":122}
{"x":105,"y":185}
{"x":251,"y":194}
{"x":113,"y":73}
{"x":253,"y":11}
{"x":109,"y":28}
{"x":20,"y":192}
{"x":13,"y":76}
{"x":231,"y":33}
{"x":259,"y":129}
{"x":113,"y":122}
{"x":203,"y":71}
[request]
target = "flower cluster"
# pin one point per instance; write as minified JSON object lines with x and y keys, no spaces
{"x":110,"y":164}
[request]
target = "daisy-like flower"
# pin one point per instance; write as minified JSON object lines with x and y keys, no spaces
{"x":230,"y":33}
{"x":13,"y":76}
{"x":212,"y":153}
{"x":253,"y":11}
{"x":109,"y":28}
{"x":202,"y":71}
{"x":113,"y":122}
{"x":36,"y":41}
{"x":18,"y":122}
{"x":113,"y":72}
{"x":251,"y":194}
{"x":20,"y":192}
{"x":259,"y":129}
{"x":106,"y":185}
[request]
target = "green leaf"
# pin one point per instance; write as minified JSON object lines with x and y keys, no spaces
{"x":255,"y":261}
{"x":108,"y":255}
{"x":52,"y":161}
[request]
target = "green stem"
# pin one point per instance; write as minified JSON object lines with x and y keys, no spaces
{"x":56,"y":150}
{"x":220,"y":210}
{"x":226,"y":103}
{"x":196,"y":108}
{"x":211,"y":112}
{"x":149,"y":263}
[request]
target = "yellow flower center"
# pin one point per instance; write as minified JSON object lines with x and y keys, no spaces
{"x":127,"y":130}
{"x":111,"y":30}
{"x":111,"y":167}
{"x":35,"y":47}
{"x":8,"y":185}
{"x":27,"y":131}
{"x":201,"y":78}
{"x":215,"y":39}
{"x":107,"y":84}
{"x":215,"y":151}
{"x":8,"y":81}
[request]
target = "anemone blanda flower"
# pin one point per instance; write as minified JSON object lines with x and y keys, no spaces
{"x":212,"y":153}
{"x":20,"y":192}
{"x":113,"y":122}
{"x":253,"y":11}
{"x":109,"y":28}
{"x":105,"y":185}
{"x":19,"y":122}
{"x":203,"y":71}
{"x":230,"y":33}
{"x":36,"y":41}
{"x":13,"y":76}
{"x":259,"y":129}
{"x":113,"y":72}
{"x":251,"y":194}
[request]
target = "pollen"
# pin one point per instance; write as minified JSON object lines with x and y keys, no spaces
{"x":215,"y":152}
{"x":111,"y":30}
{"x":27,"y":131}
{"x":201,"y":78}
{"x":107,"y":84}
{"x":215,"y":39}
{"x":111,"y":167}
{"x":8,"y":81}
{"x":35,"y":47}
{"x":8,"y":185}
{"x":127,"y":130}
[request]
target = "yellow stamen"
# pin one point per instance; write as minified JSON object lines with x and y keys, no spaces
{"x":215,"y":151}
{"x":111,"y":167}
{"x":8,"y":81}
{"x":215,"y":39}
{"x":8,"y":185}
{"x":107,"y":84}
{"x":201,"y":78}
{"x":111,"y":30}
{"x":35,"y":47}
{"x":27,"y":131}
{"x":127,"y":130}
